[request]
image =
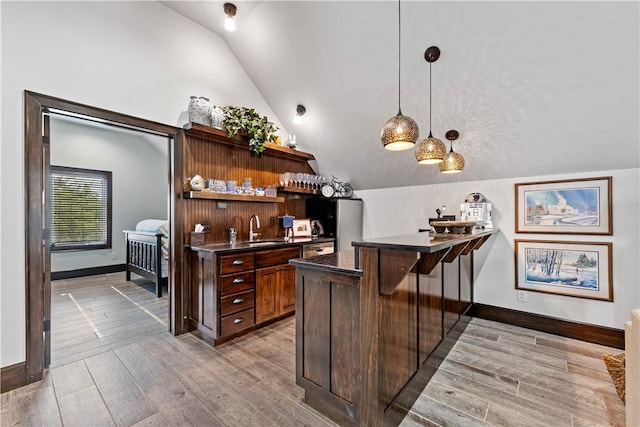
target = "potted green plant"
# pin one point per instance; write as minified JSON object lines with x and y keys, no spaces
{"x":247,"y":120}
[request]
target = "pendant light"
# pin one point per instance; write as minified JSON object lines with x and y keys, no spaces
{"x":453,"y":162}
{"x":399,"y":132}
{"x":430,"y":150}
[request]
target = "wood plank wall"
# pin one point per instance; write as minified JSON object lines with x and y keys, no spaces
{"x":212,"y":159}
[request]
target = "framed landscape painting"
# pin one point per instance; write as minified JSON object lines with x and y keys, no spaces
{"x":573,"y":206}
{"x":577,"y":269}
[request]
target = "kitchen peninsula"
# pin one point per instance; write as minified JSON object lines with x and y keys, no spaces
{"x":369,"y":321}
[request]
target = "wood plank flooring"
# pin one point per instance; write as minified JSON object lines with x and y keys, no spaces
{"x":91,"y":315}
{"x":138,"y":374}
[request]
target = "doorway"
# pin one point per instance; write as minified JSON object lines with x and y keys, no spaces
{"x":37,"y":268}
{"x":104,"y":180}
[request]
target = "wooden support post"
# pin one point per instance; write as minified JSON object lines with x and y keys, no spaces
{"x":372,"y":410}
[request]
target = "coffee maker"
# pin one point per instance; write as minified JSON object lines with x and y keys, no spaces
{"x":476,"y":208}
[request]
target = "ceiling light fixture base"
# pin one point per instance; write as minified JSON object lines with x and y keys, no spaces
{"x":432,"y":54}
{"x":230,"y":9}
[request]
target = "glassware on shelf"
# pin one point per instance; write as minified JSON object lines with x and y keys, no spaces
{"x":301,"y":181}
{"x":232,"y":186}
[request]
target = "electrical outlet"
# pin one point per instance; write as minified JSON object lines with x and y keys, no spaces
{"x":114,"y":255}
{"x":222,"y":205}
{"x":522,"y":296}
{"x":206,"y":227}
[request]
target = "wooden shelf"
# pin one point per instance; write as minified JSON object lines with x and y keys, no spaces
{"x":210,"y":195}
{"x":298,"y":190}
{"x":220,"y":136}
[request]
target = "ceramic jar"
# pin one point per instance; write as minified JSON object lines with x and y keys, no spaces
{"x":199,"y":110}
{"x":217,"y":117}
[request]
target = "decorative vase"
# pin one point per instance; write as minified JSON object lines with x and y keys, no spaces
{"x":217,"y":117}
{"x":199,"y":110}
{"x":291,"y":142}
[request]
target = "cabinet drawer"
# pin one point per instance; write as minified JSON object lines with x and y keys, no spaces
{"x":236,"y":262}
{"x":276,"y":256}
{"x":238,"y":282}
{"x":236,"y":322}
{"x":237,"y":302}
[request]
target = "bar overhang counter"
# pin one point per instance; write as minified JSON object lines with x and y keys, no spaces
{"x":373,"y":324}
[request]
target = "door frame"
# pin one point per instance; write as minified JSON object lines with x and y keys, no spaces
{"x":35,"y":106}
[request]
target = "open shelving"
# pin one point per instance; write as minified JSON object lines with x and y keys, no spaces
{"x":210,"y":195}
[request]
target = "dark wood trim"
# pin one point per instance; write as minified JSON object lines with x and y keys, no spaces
{"x":178,"y":293}
{"x":13,"y":376}
{"x":602,"y":335}
{"x":36,"y":105}
{"x":51,"y":102}
{"x":34,"y":263}
{"x":91,"y":271}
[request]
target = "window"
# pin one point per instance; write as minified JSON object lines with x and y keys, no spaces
{"x":79,"y":208}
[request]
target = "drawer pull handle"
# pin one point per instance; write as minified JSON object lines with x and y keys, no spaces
{"x":236,"y":321}
{"x":238,"y":262}
{"x":238,"y":280}
{"x":318,"y":249}
{"x":238,"y":300}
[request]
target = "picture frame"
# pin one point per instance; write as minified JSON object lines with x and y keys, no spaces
{"x":301,"y":227}
{"x":576,"y":269}
{"x":570,"y":206}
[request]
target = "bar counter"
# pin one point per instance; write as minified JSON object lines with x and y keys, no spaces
{"x":372,"y":323}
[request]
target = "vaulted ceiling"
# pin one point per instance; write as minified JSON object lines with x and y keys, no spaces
{"x":534,"y":88}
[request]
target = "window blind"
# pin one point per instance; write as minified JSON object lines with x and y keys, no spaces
{"x":79,"y":208}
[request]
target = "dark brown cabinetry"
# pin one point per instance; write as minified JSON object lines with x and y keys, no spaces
{"x":237,"y":298}
{"x":275,"y":284}
{"x":240,"y":291}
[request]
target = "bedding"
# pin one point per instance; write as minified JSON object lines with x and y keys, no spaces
{"x":148,"y":251}
{"x":157,"y":226}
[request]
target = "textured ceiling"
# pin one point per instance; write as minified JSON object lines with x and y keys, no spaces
{"x":534,"y":88}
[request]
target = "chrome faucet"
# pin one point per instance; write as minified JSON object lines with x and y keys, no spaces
{"x":251,"y":233}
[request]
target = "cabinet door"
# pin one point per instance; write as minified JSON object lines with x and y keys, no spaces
{"x":266,"y":294}
{"x":287,"y":289}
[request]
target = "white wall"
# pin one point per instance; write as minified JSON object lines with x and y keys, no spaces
{"x":140,"y":181}
{"x":403,"y":210}
{"x":137,"y":58}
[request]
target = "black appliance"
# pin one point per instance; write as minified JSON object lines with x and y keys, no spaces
{"x":339,"y":218}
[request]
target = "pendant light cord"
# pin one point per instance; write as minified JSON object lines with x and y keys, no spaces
{"x":430,"y":100}
{"x":399,"y":44}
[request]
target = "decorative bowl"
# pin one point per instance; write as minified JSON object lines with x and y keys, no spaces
{"x":455,"y":227}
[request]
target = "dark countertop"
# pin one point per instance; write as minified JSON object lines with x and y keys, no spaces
{"x":345,"y":261}
{"x":339,"y":262}
{"x":259,"y":244}
{"x":422,"y":242}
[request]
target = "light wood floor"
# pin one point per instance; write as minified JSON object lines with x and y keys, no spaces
{"x":496,"y":374}
{"x":92,"y":315}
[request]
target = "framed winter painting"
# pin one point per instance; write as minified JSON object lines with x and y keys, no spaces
{"x":572,"y":206}
{"x":577,"y":269}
